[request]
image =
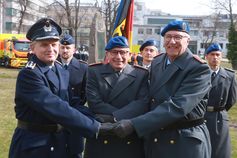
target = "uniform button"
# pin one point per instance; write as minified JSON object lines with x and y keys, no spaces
{"x":152,"y":100}
{"x":105,"y":141}
{"x":155,"y":140}
{"x":205,"y":121}
{"x":172,"y":141}
{"x":128,"y":142}
{"x":218,"y":121}
{"x":162,"y":128}
{"x":52,"y":149}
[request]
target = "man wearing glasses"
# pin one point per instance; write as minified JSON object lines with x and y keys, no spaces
{"x":174,"y":126}
{"x":116,"y":91}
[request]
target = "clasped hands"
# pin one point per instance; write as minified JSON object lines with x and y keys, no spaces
{"x":108,"y":126}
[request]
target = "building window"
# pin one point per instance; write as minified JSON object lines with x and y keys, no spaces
{"x":8,"y":26}
{"x":194,"y":33}
{"x":10,"y":12}
{"x":204,"y":45}
{"x":139,"y":7}
{"x":157,"y":31}
{"x":221,"y":44}
{"x":148,"y":31}
{"x":140,"y":31}
{"x":221,"y":34}
{"x":140,"y":42}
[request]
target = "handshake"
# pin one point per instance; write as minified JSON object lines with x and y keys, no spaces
{"x":121,"y":129}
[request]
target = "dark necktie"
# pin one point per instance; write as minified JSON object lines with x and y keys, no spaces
{"x":65,"y":66}
{"x":213,"y":75}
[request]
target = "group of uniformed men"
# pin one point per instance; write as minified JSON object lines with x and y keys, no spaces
{"x":133,"y":113}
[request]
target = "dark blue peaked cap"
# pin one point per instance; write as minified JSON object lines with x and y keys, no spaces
{"x":213,"y":47}
{"x":176,"y":25}
{"x":67,"y":40}
{"x":117,"y":41}
{"x":149,"y":43}
{"x":45,"y":28}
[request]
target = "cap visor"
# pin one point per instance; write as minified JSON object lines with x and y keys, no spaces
{"x":46,"y":38}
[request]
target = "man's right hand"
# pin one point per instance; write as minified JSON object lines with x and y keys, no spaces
{"x":106,"y":128}
{"x":103,"y":118}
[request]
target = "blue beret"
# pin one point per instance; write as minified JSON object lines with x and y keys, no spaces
{"x":67,"y":40}
{"x":45,"y":28}
{"x":177,"y":26}
{"x":149,"y":43}
{"x":213,"y":47}
{"x":117,"y":41}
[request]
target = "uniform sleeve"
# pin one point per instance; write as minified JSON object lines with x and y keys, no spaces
{"x":232,"y":94}
{"x":32,"y":87}
{"x":94,"y":99}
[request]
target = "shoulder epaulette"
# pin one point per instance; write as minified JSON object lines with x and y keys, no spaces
{"x":30,"y":65}
{"x":158,"y":55}
{"x":82,"y":61}
{"x":229,"y":70}
{"x":58,"y":62}
{"x":199,"y":59}
{"x":95,"y":64}
{"x":140,"y":67}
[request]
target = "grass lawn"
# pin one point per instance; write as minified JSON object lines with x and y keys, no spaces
{"x":8,"y":121}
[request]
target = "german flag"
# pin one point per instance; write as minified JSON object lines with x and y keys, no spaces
{"x":124,"y":20}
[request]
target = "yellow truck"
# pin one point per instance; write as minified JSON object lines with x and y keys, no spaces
{"x":13,"y":50}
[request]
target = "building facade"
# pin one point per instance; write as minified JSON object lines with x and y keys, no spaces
{"x":203,"y":29}
{"x":11,"y":14}
{"x":85,"y":18}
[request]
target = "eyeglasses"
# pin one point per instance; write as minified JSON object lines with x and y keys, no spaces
{"x":177,"y":38}
{"x":116,"y":52}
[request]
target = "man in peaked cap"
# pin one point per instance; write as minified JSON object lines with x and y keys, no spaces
{"x":77,"y":86}
{"x":179,"y":83}
{"x":221,"y":98}
{"x":42,"y":109}
{"x":116,"y":91}
{"x":149,"y":49}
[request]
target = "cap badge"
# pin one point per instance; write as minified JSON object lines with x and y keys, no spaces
{"x":47,"y":27}
{"x":184,"y":26}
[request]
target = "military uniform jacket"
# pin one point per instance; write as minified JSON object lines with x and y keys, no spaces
{"x":177,"y":94}
{"x":77,"y":88}
{"x":77,"y":81}
{"x":42,"y":98}
{"x":124,"y":98}
{"x":222,"y":94}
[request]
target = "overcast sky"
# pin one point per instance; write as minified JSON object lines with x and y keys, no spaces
{"x":180,"y":7}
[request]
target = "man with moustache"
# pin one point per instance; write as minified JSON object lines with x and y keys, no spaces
{"x":116,"y":91}
{"x":174,"y":127}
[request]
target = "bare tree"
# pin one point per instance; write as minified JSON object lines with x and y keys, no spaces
{"x":24,"y":4}
{"x":209,"y":35}
{"x":225,"y":6}
{"x":109,"y":11}
{"x":74,"y":15}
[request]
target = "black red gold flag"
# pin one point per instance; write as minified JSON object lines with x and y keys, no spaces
{"x":124,"y":20}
